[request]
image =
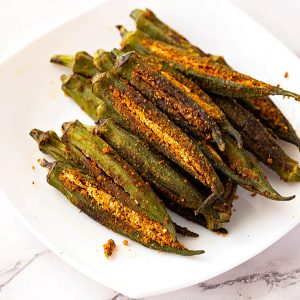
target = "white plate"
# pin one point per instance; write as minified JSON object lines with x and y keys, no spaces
{"x":31,"y":97}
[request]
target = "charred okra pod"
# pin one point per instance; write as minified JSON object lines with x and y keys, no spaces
{"x":270,"y":115}
{"x":171,"y":98}
{"x":246,"y":167}
{"x":101,"y":155}
{"x":212,"y":76}
{"x":86,"y":194}
{"x":248,"y":175}
{"x":149,"y":122}
{"x":238,"y":165}
{"x":262,"y":107}
{"x":258,"y":140}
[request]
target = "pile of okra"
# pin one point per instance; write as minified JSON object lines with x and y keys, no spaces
{"x":174,"y":127}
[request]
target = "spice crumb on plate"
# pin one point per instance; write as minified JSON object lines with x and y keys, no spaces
{"x":125,"y":243}
{"x":109,"y":248}
{"x":286,"y":74}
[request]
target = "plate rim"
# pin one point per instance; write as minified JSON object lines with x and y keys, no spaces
{"x":128,"y":291}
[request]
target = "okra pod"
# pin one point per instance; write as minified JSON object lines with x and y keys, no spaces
{"x":152,"y":166}
{"x":212,"y":217}
{"x":86,"y":194}
{"x":258,"y":140}
{"x":245,"y":166}
{"x":212,"y":76}
{"x":149,"y":122}
{"x":102,"y":156}
{"x":270,"y":116}
{"x":262,"y":107}
{"x":169,"y":96}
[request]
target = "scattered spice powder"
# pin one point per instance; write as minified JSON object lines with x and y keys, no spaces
{"x":125,"y":243}
{"x":235,"y":197}
{"x":107,"y":150}
{"x":33,"y":167}
{"x":286,"y":75}
{"x":109,"y":248}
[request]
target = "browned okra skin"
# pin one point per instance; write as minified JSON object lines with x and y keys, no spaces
{"x":262,"y":107}
{"x":258,"y":140}
{"x":99,"y":153}
{"x":215,"y":215}
{"x":86,"y":194}
{"x":148,"y":121}
{"x":168,"y":95}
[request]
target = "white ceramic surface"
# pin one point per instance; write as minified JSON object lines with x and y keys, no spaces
{"x":33,"y":99}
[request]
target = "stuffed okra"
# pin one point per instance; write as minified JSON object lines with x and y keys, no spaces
{"x":85,"y":193}
{"x":151,"y":123}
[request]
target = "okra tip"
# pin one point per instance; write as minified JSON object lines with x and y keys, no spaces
{"x":63,"y":60}
{"x":37,"y":135}
{"x":46,"y":164}
{"x":65,"y":78}
{"x":227,"y":127}
{"x":123,"y":31}
{"x":136,"y":13}
{"x":65,"y":126}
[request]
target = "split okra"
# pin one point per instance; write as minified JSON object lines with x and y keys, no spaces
{"x":173,"y":126}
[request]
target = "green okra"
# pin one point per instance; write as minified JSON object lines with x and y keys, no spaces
{"x":79,"y":89}
{"x":152,"y":166}
{"x":238,"y":165}
{"x":149,"y":122}
{"x":270,"y":116}
{"x":102,"y":156}
{"x":171,"y":98}
{"x":50,"y":143}
{"x":247,"y":168}
{"x":212,"y":76}
{"x":81,"y":63}
{"x":214,"y":216}
{"x":262,"y":107}
{"x":85,"y":193}
{"x":191,"y":89}
{"x":257,"y":184}
{"x":258,"y":140}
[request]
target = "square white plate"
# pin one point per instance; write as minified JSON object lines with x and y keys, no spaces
{"x":31,"y":98}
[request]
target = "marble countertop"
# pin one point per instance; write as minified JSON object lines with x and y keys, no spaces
{"x":28,"y":270}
